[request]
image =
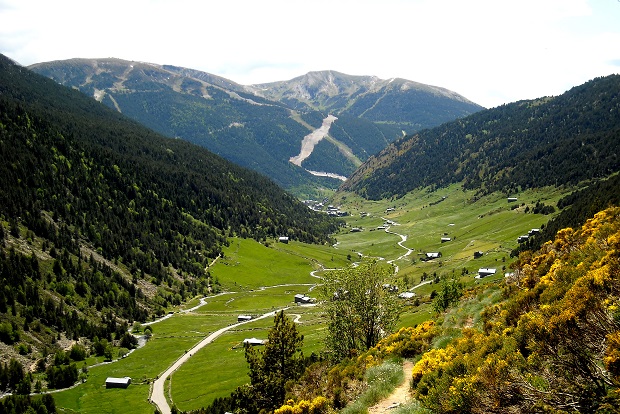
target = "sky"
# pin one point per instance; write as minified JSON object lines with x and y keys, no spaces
{"x":490,"y":51}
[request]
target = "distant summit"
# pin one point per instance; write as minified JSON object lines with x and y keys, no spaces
{"x":409,"y":104}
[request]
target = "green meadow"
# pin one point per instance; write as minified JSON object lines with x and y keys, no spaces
{"x":488,"y":224}
{"x":262,"y":277}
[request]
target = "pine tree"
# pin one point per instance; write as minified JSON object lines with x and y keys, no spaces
{"x":277,"y":363}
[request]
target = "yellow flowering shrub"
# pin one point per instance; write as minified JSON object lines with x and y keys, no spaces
{"x":553,"y":343}
{"x":318,"y":405}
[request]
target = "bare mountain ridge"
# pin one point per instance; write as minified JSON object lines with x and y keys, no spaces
{"x":262,"y":126}
{"x":319,"y":86}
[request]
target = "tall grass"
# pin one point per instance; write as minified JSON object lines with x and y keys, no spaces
{"x":413,"y":407}
{"x":381,"y":379}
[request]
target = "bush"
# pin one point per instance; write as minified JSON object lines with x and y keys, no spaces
{"x":77,"y":353}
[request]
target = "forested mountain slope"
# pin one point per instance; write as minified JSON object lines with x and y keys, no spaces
{"x":103,"y":221}
{"x":261,"y":127}
{"x":549,"y":141}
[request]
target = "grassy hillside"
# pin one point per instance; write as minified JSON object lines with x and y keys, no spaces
{"x":489,"y":224}
{"x":246,"y":266}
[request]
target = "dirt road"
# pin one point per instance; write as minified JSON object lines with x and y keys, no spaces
{"x":399,"y":397}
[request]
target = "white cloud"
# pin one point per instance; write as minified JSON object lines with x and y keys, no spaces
{"x":492,"y":52}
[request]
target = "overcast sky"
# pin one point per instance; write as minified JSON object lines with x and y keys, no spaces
{"x":490,"y":51}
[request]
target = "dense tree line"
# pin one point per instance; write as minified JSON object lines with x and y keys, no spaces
{"x":94,"y":285}
{"x":549,"y":141}
{"x":18,"y":404}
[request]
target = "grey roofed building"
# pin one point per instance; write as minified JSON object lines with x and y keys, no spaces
{"x":300,"y":298}
{"x":254,"y":341}
{"x":112,"y":382}
{"x":483,"y":272}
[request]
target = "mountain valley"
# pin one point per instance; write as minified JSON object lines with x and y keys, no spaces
{"x":493,"y":233}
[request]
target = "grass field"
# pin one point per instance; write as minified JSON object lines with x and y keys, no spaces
{"x":260,"y":278}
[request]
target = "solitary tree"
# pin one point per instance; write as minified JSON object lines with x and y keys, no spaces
{"x":449,"y":294}
{"x":359,"y":307}
{"x":279,"y":361}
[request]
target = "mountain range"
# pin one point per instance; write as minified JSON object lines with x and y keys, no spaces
{"x":262,"y":126}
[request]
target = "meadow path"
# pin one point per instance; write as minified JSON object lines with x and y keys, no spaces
{"x":399,"y":396}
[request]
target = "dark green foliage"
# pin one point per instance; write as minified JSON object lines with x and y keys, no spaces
{"x":18,"y":404}
{"x":448,"y":295}
{"x":527,"y":144}
{"x":327,"y":158}
{"x":12,"y":375}
{"x":364,"y":137}
{"x":129,"y":341}
{"x":576,"y":209}
{"x":219,"y":406}
{"x":77,"y":353}
{"x":23,"y":283}
{"x":61,"y":376}
{"x":9,"y":333}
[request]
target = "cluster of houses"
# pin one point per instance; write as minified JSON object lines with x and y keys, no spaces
{"x":320,"y":206}
{"x":336,"y":212}
{"x":316,"y":205}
